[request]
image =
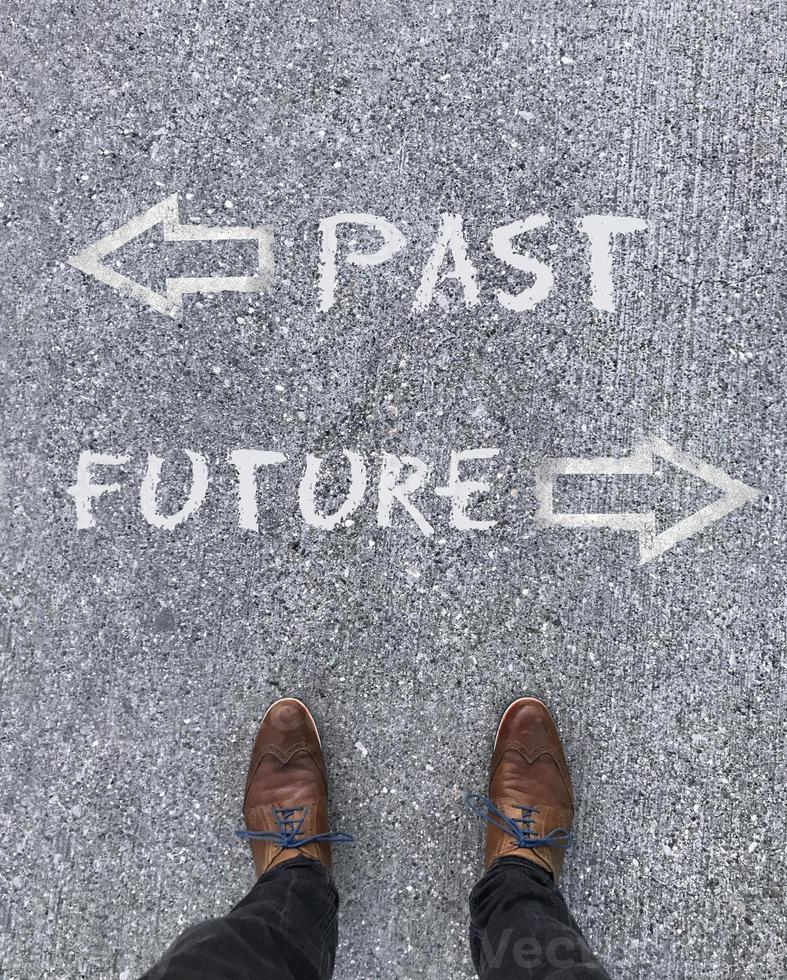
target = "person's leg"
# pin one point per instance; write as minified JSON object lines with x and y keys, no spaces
{"x":520,"y":927}
{"x":286,"y":926}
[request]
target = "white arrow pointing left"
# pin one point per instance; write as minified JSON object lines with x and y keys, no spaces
{"x":91,"y":259}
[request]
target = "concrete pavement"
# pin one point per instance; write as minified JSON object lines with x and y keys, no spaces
{"x":138,"y":661}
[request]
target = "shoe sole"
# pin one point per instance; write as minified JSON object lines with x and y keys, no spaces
{"x":302,"y":705}
{"x":513,"y":705}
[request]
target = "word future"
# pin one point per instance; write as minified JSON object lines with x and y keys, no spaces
{"x":402,"y":478}
{"x":393,"y":488}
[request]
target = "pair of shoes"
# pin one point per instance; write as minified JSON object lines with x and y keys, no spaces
{"x":529,"y":807}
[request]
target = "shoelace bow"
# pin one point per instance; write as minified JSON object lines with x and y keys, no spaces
{"x":520,"y":828}
{"x":289,"y":830}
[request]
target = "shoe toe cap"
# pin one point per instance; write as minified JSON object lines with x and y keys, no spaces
{"x":527,"y":720}
{"x":288,"y":720}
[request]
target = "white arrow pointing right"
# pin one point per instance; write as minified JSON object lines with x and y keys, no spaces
{"x":651,"y":544}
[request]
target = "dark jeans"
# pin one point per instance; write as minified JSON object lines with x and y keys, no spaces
{"x":521,"y":929}
{"x":285,"y":929}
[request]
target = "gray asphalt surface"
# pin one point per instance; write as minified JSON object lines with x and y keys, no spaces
{"x":137,"y":662}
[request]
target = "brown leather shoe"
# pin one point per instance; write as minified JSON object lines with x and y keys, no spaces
{"x":530,"y":807}
{"x":286,"y":801}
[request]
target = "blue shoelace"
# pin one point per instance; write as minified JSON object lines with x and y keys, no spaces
{"x":520,"y":828}
{"x":289,"y":829}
